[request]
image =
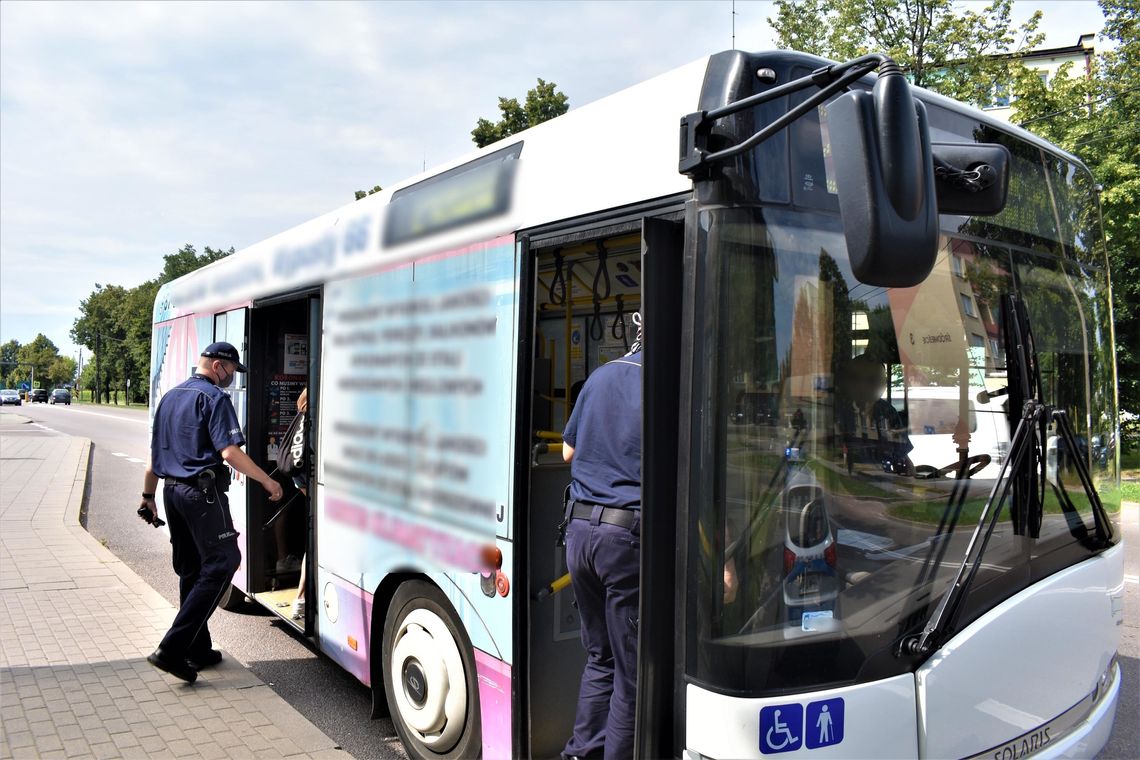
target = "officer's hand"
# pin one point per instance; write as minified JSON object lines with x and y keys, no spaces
{"x":149,"y":505}
{"x":273,"y":488}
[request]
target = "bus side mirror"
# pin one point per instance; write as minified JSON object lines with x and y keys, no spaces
{"x":883,"y":169}
{"x":971,"y":179}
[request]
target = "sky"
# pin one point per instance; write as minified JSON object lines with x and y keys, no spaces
{"x":128,"y":130}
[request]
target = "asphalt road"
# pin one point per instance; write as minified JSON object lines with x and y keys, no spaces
{"x":315,"y":686}
{"x":334,"y":701}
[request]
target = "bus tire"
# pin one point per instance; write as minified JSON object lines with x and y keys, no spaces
{"x":232,"y":598}
{"x":429,"y":675}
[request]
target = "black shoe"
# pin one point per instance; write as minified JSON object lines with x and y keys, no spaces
{"x":206,"y":659}
{"x":178,"y":668}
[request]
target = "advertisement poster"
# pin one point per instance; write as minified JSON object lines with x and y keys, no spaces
{"x":283,"y":393}
{"x":296,"y":354}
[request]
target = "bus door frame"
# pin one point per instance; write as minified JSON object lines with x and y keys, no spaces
{"x":662,"y":229}
{"x":314,"y":299}
{"x":664,"y":260}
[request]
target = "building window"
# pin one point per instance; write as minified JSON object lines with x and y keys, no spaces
{"x":957,"y":266}
{"x":967,"y":305}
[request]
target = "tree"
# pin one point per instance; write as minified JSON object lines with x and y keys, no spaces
{"x":40,"y":354}
{"x":62,"y":371}
{"x":365,"y":193}
{"x":960,"y":53}
{"x":186,"y":260}
{"x":543,"y":103}
{"x":115,"y":325}
{"x":9,"y":353}
{"x":1096,"y":117}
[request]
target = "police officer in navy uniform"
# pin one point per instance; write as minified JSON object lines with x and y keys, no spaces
{"x":602,"y":442}
{"x":195,"y":435}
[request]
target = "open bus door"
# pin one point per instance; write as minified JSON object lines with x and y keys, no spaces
{"x":578,"y":325}
{"x":283,"y":353}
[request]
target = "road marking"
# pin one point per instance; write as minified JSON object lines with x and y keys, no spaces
{"x":1132,"y":579}
{"x":127,"y":457}
{"x":112,"y":417}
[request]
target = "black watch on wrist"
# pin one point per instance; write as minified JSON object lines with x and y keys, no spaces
{"x":148,"y":496}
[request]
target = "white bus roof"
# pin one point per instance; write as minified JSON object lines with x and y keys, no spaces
{"x":614,"y":152}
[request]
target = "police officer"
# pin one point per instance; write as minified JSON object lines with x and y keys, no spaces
{"x":195,"y":435}
{"x":602,"y":442}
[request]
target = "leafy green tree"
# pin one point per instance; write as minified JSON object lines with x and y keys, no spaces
{"x":543,"y":103}
{"x":8,"y":369}
{"x":114,"y":323}
{"x":40,"y":354}
{"x":1096,"y":118}
{"x":186,"y":260}
{"x":958,"y":52}
{"x":99,"y":329}
{"x":62,"y":371}
{"x":365,"y":193}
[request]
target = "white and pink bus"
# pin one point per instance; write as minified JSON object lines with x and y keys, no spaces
{"x":828,"y":570}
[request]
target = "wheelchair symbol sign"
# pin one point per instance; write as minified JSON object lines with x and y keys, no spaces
{"x":783,"y":728}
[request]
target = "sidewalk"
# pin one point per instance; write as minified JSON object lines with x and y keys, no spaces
{"x":76,"y":625}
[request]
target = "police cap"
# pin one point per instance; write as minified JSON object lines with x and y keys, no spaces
{"x":226,"y":351}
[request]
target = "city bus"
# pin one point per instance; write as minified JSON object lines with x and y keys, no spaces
{"x":870,"y":313}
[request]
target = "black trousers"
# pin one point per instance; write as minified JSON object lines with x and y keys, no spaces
{"x":205,"y":556}
{"x":605,"y":566}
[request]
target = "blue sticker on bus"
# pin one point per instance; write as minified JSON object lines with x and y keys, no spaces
{"x":824,"y":723}
{"x":781,"y":728}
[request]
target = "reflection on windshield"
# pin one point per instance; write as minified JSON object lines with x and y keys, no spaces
{"x":855,"y":436}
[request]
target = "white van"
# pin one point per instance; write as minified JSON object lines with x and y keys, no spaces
{"x":932,"y":416}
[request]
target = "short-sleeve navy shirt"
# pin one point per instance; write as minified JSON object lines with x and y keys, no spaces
{"x":193,"y":423}
{"x":605,"y":431}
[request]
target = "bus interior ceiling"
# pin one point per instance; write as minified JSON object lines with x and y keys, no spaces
{"x":585,"y":296}
{"x":278,"y":357}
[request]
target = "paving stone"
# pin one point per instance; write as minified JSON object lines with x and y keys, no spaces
{"x":76,"y":625}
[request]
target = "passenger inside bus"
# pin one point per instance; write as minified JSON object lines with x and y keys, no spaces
{"x":874,"y":432}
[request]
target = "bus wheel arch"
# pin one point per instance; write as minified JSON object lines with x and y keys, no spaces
{"x":426,"y":669}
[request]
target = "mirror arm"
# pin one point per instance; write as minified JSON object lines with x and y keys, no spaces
{"x":695,"y":127}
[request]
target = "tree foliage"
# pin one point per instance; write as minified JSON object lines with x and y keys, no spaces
{"x":1096,"y":117}
{"x":960,"y":53}
{"x":542,"y":103}
{"x":114,"y":324}
{"x":365,"y":193}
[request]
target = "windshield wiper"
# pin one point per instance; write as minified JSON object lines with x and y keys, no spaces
{"x":1028,"y":441}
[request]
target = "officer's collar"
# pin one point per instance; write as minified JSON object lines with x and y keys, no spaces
{"x":209,"y":380}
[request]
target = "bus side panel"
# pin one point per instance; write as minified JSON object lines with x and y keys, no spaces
{"x":175,"y":348}
{"x":415,"y":452}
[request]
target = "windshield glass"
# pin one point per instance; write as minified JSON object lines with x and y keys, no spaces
{"x":825,"y":519}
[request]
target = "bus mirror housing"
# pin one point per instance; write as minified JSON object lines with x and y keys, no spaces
{"x":883,"y":170}
{"x":971,"y":179}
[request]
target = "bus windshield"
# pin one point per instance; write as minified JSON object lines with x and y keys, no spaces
{"x":824,"y":530}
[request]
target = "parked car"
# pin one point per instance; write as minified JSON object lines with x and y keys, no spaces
{"x":8,"y":396}
{"x":38,"y":395}
{"x":60,"y":396}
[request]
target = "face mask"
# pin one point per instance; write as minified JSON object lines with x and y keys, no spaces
{"x":227,"y":382}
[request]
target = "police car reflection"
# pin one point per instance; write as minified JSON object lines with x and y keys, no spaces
{"x":811,"y":583}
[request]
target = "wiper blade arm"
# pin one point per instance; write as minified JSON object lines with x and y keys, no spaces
{"x":950,"y":606}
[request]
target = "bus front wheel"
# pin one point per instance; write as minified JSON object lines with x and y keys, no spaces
{"x":429,"y":675}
